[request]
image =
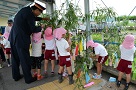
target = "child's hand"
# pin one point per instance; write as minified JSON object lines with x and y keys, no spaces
{"x":93,"y":57}
{"x":42,"y":26}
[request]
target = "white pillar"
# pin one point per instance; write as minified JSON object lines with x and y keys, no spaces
{"x":49,"y":8}
{"x":87,"y":11}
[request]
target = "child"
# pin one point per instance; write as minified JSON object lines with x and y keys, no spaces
{"x":64,"y":54}
{"x":6,"y":44}
{"x":2,"y":56}
{"x":49,"y":50}
{"x":100,"y":54}
{"x":36,"y":55}
{"x":8,"y":28}
{"x":69,"y":42}
{"x":127,"y":49}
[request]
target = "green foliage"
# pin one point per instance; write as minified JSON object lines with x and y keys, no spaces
{"x":108,"y":34}
{"x":97,"y":36}
{"x":113,"y":37}
{"x":132,"y":17}
{"x":53,"y":22}
{"x":66,"y":18}
{"x":121,"y":18}
{"x":112,"y":48}
{"x":72,"y":18}
{"x":69,"y":17}
{"x":81,"y":62}
{"x":102,"y":14}
{"x":125,"y":22}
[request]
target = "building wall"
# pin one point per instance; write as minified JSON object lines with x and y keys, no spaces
{"x":3,"y":21}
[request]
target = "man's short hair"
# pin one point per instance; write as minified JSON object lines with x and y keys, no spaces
{"x":34,"y":8}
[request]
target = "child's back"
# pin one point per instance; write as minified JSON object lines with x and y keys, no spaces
{"x":49,"y":50}
{"x":36,"y":55}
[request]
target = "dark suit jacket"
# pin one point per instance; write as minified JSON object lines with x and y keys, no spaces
{"x":23,"y":27}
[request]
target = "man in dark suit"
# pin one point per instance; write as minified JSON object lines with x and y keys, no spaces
{"x":23,"y":27}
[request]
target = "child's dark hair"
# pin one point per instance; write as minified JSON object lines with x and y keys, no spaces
{"x":34,"y":8}
{"x":93,"y":51}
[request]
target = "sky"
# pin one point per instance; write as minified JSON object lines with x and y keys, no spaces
{"x":121,"y":7}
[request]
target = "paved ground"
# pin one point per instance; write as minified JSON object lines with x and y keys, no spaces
{"x":7,"y":83}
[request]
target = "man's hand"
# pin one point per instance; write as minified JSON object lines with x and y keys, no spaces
{"x":47,"y":18}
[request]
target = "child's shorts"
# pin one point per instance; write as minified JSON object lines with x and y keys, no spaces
{"x":36,"y":62}
{"x":49,"y":55}
{"x":8,"y":51}
{"x":125,"y":66}
{"x":65,"y":60}
{"x":102,"y":59}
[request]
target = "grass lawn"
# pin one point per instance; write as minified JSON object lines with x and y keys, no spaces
{"x":98,"y":36}
{"x":128,"y":31}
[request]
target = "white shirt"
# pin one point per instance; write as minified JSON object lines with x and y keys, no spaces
{"x":100,"y":49}
{"x":49,"y":44}
{"x":36,"y":49}
{"x":62,"y":45}
{"x":8,"y":29}
{"x":127,"y":54}
{"x":1,"y":42}
{"x":6,"y":43}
